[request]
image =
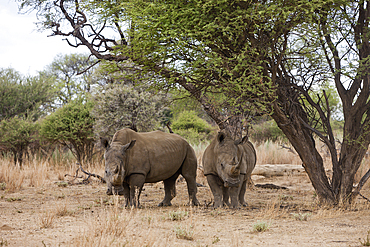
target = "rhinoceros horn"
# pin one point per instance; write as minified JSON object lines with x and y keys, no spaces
{"x":236,"y":169}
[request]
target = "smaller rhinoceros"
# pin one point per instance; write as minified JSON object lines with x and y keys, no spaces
{"x":133,"y":159}
{"x":228,"y":165}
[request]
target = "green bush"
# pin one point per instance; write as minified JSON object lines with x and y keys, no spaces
{"x":189,"y":120}
{"x":16,"y":134}
{"x":72,"y":126}
{"x":267,"y":131}
{"x":191,"y":127}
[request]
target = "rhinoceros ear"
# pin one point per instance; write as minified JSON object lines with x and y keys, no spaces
{"x":128,"y":146}
{"x":104,"y":142}
{"x":221,"y":137}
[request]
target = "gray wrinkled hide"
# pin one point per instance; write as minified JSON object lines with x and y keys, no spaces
{"x":133,"y":159}
{"x":228,"y":165}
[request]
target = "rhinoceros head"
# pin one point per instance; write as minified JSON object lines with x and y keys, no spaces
{"x":229,"y":159}
{"x":115,"y":156}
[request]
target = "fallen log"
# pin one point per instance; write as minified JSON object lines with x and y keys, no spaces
{"x":269,"y":170}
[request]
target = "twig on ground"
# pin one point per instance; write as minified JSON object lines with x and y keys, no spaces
{"x":86,"y":180}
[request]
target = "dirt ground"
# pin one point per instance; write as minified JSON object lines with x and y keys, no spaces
{"x":61,"y":214}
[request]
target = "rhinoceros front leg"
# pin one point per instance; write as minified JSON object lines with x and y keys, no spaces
{"x":234,"y":196}
{"x":242,"y":190}
{"x":136,"y":183}
{"x":126,"y":193}
{"x":216,"y":186}
{"x":225,"y":196}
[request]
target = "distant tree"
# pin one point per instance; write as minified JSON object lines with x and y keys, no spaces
{"x":72,"y":126}
{"x":16,"y":134}
{"x":24,"y":96}
{"x":117,"y":106}
{"x":71,"y":76}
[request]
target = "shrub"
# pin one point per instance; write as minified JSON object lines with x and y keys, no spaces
{"x":72,"y":126}
{"x":191,"y":127}
{"x":16,"y":134}
{"x":267,"y":131}
{"x":189,"y":120}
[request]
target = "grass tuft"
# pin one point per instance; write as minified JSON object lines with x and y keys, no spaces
{"x":260,"y":226}
{"x":177,"y":215}
{"x":186,"y":233}
{"x":366,"y":242}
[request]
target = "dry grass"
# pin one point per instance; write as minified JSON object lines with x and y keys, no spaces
{"x":46,"y":220}
{"x":273,"y":153}
{"x":11,"y":176}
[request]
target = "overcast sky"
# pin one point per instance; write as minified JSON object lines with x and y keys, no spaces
{"x":22,"y":47}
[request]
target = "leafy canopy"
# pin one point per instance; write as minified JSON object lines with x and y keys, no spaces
{"x":21,"y":95}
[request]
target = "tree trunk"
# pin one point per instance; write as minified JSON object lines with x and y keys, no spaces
{"x":304,"y":143}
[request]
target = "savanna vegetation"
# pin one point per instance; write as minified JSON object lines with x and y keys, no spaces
{"x":241,"y":60}
{"x":292,"y":75}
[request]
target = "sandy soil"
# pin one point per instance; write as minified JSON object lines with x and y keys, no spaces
{"x":58,"y":214}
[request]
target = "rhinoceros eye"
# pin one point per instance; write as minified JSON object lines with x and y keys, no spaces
{"x":222,"y":166}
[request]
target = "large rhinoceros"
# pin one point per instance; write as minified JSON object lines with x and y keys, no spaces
{"x":228,"y":165}
{"x":133,"y":159}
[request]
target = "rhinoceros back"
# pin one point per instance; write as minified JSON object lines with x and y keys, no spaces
{"x":156,"y":154}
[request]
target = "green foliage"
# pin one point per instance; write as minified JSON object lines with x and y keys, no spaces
{"x":117,"y":106}
{"x":23,"y":96}
{"x":189,"y":120}
{"x":66,"y":73}
{"x":72,"y":126}
{"x":16,"y":134}
{"x":266,"y":131}
{"x":191,"y":127}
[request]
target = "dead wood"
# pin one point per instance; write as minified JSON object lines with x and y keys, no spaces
{"x":86,"y":180}
{"x":271,"y":186}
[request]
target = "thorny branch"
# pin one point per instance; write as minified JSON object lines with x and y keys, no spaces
{"x":86,"y":180}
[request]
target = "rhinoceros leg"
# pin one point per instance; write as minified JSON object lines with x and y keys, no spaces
{"x":216,"y":186}
{"x":189,"y":172}
{"x":126,"y":193}
{"x":234,"y":196}
{"x":169,"y":190}
{"x":192,"y":191}
{"x":243,"y":188}
{"x":136,"y":183}
{"x":225,"y":196}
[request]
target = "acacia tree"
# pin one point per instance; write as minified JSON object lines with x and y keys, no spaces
{"x":250,"y":52}
{"x":68,"y":73}
{"x":72,"y":126}
{"x":20,"y":96}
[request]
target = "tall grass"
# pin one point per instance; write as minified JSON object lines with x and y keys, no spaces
{"x":11,"y":177}
{"x":276,"y":153}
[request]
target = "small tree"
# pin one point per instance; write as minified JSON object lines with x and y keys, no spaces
{"x":70,"y":76}
{"x":23,"y":95}
{"x":16,"y":134}
{"x":191,"y":127}
{"x":118,"y":106}
{"x":72,"y":126}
